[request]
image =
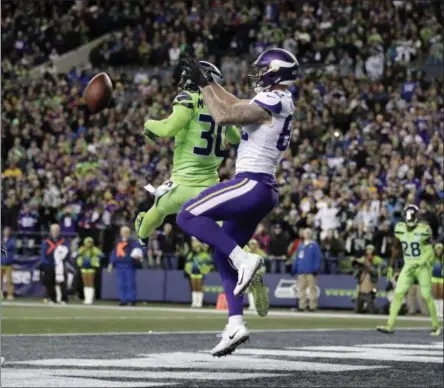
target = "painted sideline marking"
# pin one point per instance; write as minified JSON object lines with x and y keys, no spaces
{"x":347,"y":353}
{"x":115,"y":333}
{"x":207,"y":311}
{"x":140,"y":374}
{"x":433,"y":345}
{"x":201,"y":361}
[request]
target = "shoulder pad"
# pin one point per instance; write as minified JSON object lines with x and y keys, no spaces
{"x":400,"y":228}
{"x":270,"y":101}
{"x":185,"y":99}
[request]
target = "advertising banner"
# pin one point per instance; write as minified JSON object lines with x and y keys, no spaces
{"x":26,"y":276}
{"x":333,"y":291}
{"x":150,"y":285}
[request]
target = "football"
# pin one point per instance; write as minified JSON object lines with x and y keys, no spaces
{"x":98,"y":93}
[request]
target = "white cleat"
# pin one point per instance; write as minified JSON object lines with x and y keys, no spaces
{"x":245,"y":272}
{"x":232,"y":337}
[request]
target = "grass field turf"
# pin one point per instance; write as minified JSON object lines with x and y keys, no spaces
{"x":33,"y":318}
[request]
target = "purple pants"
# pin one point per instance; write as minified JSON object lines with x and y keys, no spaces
{"x":241,"y":203}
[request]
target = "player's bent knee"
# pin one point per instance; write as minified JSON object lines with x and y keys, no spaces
{"x":426,"y":294}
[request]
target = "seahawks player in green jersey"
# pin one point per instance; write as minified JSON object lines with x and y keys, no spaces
{"x":198,"y":153}
{"x":414,"y":238}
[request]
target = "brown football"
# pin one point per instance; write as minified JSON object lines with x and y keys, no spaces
{"x":98,"y":93}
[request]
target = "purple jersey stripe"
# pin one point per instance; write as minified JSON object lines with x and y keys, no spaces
{"x":276,"y":108}
{"x":217,"y":192}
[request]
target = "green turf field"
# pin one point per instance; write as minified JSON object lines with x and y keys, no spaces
{"x":32,"y":318}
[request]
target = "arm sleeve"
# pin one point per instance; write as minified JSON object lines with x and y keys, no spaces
{"x":269,"y":101}
{"x":113,"y":258}
{"x":12,"y":245}
{"x":233,"y":135}
{"x":183,"y":108}
{"x":294,"y":266}
{"x":170,"y":126}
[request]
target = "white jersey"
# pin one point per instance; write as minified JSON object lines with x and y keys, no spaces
{"x":262,"y":146}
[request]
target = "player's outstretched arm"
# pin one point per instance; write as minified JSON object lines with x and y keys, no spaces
{"x":239,"y":113}
{"x":223,"y":94}
{"x":170,"y":126}
{"x":427,"y":251}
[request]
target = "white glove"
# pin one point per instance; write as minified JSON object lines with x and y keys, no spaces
{"x":136,"y":253}
{"x":61,"y":252}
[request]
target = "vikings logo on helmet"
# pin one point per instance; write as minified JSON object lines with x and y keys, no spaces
{"x":212,"y":72}
{"x":274,"y":67}
{"x":410,"y":215}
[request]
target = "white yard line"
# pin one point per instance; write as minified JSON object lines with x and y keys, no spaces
{"x":207,"y":311}
{"x":111,"y":333}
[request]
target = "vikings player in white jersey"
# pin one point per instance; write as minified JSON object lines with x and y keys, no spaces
{"x":242,"y":202}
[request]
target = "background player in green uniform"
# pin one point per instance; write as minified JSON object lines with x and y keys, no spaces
{"x":198,"y":153}
{"x":414,"y":238}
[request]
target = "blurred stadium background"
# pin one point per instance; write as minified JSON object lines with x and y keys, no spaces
{"x":367,"y":139}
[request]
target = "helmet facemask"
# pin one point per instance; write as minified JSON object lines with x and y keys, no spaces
{"x":255,"y":81}
{"x":411,"y":216}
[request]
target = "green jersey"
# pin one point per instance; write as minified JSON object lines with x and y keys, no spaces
{"x":416,"y":244}
{"x":199,"y":143}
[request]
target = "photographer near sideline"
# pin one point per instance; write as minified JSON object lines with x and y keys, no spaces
{"x":367,"y":270}
{"x":306,"y":265}
{"x":54,"y":254}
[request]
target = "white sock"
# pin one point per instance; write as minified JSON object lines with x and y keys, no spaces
{"x":91,"y":294}
{"x":439,"y":307}
{"x":85,"y":294}
{"x":200,"y":296}
{"x":193,"y":298}
{"x":250,"y":300}
{"x":236,"y":320}
{"x":237,"y":255}
{"x":58,"y":294}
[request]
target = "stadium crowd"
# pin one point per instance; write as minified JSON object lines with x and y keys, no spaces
{"x":367,"y":133}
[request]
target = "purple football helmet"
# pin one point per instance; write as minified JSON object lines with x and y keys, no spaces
{"x":274,"y":67}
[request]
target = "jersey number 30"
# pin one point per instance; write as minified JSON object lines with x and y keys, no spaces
{"x":208,"y":136}
{"x":414,"y":250}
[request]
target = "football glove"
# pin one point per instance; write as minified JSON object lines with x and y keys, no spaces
{"x":194,"y":72}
